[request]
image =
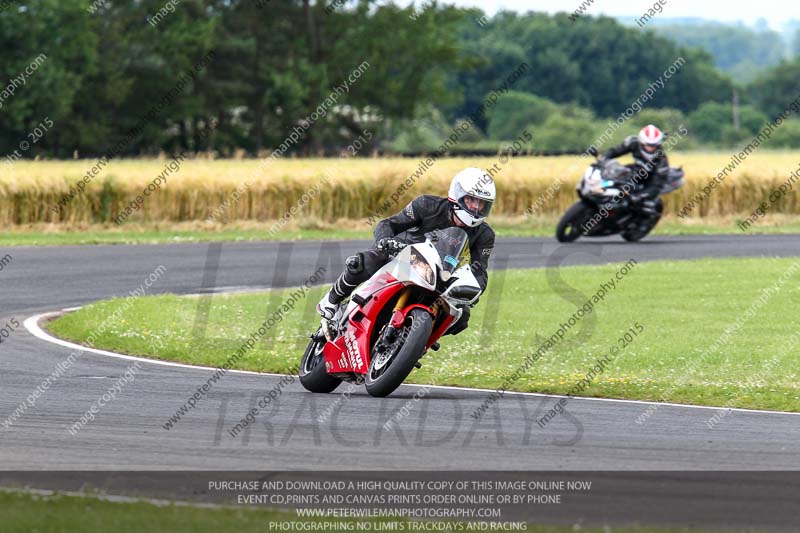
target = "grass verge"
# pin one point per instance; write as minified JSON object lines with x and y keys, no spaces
{"x":707,"y":339}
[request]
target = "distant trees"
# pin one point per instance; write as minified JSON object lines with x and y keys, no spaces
{"x":741,"y":52}
{"x":284,"y":66}
{"x":796,"y":43}
{"x":777,"y":88}
{"x":274,"y":63}
{"x":593,"y":62}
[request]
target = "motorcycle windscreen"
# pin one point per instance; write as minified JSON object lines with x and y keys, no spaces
{"x":452,"y":245}
{"x":614,"y":171}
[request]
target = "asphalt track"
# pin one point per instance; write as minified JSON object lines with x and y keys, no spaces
{"x":438,"y":432}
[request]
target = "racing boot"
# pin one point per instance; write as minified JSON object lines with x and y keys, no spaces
{"x":326,"y":308}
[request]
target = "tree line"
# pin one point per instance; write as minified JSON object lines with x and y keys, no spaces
{"x":274,"y":62}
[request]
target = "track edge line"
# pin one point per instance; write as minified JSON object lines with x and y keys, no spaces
{"x":32,"y":325}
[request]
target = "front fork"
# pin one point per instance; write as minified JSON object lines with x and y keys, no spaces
{"x":396,"y":322}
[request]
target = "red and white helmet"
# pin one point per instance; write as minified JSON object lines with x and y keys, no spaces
{"x":650,"y":140}
{"x":477,"y":184}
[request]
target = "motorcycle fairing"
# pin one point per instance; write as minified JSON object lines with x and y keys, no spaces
{"x":350,"y":351}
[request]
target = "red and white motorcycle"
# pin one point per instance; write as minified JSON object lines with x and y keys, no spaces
{"x":394,"y":318}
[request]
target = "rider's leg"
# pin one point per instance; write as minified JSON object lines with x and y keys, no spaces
{"x":358,"y":269}
{"x":646,"y":205}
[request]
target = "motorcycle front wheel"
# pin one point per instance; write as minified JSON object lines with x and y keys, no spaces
{"x":635,"y":235}
{"x":312,"y":373}
{"x":391,"y":363}
{"x":569,"y":227}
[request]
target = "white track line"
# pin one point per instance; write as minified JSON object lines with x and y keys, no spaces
{"x":32,"y":325}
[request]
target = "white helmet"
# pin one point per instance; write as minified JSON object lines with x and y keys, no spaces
{"x":475,"y":183}
{"x":650,"y":140}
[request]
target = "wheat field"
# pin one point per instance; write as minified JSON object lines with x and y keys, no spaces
{"x":337,"y":189}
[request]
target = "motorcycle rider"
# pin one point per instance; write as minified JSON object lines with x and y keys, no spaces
{"x":650,"y":168}
{"x":470,"y":198}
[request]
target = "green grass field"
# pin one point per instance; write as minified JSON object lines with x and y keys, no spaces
{"x":26,"y":513}
{"x":684,"y":309}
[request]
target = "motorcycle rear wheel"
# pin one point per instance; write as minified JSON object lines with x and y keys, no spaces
{"x":387,"y":371}
{"x":312,"y":373}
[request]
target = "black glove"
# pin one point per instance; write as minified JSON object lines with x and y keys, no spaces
{"x":390,"y":245}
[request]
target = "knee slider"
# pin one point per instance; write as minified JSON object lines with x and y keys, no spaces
{"x":355,"y":264}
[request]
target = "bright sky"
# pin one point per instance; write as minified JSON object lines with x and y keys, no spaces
{"x":777,"y":12}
